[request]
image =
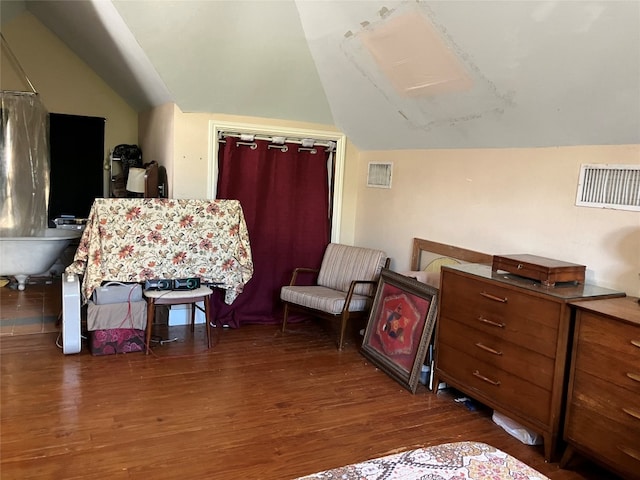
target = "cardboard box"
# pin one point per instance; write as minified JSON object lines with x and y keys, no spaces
{"x":117,"y":315}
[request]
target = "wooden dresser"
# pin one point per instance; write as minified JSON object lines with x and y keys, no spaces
{"x":603,"y":408}
{"x":503,"y":340}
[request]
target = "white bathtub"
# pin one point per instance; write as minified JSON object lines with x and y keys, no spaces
{"x":24,"y":256}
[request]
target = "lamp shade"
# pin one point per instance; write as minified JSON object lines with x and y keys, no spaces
{"x":135,"y":180}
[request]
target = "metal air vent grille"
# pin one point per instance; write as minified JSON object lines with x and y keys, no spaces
{"x":609,"y":186}
{"x":379,"y":175}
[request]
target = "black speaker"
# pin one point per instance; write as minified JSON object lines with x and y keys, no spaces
{"x":158,"y":284}
{"x":186,"y":283}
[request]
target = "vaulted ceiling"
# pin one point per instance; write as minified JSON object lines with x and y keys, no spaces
{"x":525,"y":73}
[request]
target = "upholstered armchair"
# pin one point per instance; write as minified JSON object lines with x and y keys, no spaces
{"x":344,"y":289}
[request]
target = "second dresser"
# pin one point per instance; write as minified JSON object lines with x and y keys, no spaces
{"x":503,"y":339}
{"x":603,"y":411}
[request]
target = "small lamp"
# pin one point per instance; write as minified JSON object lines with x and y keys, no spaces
{"x":136,"y":180}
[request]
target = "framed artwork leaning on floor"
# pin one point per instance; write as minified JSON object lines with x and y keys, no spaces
{"x":400,"y":327}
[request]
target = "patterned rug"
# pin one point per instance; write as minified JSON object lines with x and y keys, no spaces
{"x":459,"y":461}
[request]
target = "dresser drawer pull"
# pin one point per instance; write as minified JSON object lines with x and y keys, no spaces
{"x":629,"y":451}
{"x":476,"y":373}
{"x":494,"y":298}
{"x":633,"y":413}
{"x":634,"y":376}
{"x":490,"y":322}
{"x":488,"y":349}
{"x":635,"y":343}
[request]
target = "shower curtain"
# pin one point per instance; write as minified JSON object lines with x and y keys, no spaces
{"x":24,"y":164}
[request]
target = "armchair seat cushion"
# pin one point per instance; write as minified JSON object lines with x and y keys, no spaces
{"x":323,"y":298}
{"x":344,"y":288}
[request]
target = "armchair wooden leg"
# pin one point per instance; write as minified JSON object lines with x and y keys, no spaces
{"x":343,"y":329}
{"x":285,"y":316}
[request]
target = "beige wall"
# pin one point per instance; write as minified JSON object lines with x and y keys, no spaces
{"x":498,"y":201}
{"x":192,"y":158}
{"x":156,"y":129}
{"x":63,"y":81}
{"x":501,"y":202}
{"x":350,"y":196}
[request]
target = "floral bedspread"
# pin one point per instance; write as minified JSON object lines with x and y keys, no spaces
{"x":459,"y":461}
{"x":135,"y":239}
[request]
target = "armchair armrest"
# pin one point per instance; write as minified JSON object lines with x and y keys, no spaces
{"x":301,"y":270}
{"x":352,"y":287}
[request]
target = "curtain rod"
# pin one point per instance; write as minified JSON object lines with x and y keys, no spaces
{"x":305,"y":142}
{"x":17,"y":63}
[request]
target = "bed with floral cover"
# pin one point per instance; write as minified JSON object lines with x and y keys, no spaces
{"x":459,"y":461}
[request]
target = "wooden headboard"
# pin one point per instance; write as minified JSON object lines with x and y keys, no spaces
{"x":421,"y":246}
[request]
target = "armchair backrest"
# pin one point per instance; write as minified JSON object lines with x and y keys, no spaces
{"x":342,"y":264}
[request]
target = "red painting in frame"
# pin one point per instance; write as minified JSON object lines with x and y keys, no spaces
{"x":400,"y":327}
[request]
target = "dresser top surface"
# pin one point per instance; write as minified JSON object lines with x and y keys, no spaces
{"x":626,"y":308}
{"x":568,"y":291}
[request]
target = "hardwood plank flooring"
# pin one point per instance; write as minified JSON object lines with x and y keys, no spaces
{"x":259,"y":405}
{"x":34,"y":310}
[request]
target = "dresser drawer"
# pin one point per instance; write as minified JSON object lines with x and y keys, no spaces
{"x":493,"y":385}
{"x":517,"y":317}
{"x":597,"y":423}
{"x":609,"y":350}
{"x":618,"y":405}
{"x":498,"y":352}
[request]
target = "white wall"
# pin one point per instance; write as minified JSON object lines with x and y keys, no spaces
{"x":501,"y":202}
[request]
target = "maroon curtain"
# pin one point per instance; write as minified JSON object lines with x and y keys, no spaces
{"x":285,"y":199}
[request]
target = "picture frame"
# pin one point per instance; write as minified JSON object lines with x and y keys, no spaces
{"x":400,"y":327}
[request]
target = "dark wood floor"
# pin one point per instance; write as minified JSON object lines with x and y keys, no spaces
{"x":259,"y":405}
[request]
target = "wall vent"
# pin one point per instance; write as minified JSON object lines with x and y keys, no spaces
{"x":379,"y":175}
{"x":609,"y":186}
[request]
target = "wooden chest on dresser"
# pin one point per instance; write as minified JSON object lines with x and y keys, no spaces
{"x":603,"y":407}
{"x":503,"y":340}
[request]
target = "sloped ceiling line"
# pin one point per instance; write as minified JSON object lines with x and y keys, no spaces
{"x":549,"y":73}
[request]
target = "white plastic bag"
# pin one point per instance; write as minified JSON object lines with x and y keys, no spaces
{"x":516,"y":430}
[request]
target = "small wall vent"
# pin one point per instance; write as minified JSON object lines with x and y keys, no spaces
{"x":379,"y":175}
{"x":609,"y":186}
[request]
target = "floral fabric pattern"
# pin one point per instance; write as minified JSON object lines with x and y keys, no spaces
{"x":120,"y":340}
{"x":135,"y":239}
{"x":459,"y":461}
